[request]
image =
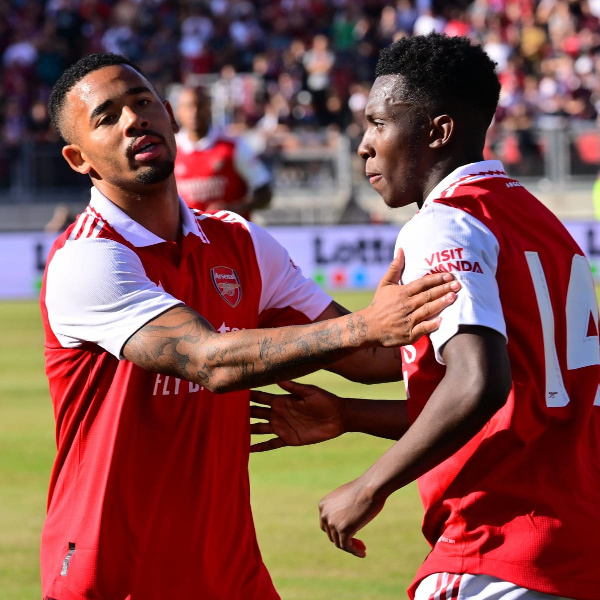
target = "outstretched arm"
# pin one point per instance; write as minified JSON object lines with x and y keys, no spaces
{"x":180,"y":342}
{"x":476,"y":385}
{"x":309,"y":415}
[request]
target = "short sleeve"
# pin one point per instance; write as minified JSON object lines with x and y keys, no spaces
{"x":283,"y":284}
{"x":97,"y":291}
{"x":445,"y":238}
{"x":249,"y":166}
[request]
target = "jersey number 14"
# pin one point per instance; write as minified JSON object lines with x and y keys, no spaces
{"x":582,"y":349}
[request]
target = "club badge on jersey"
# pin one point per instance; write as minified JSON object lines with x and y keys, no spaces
{"x":227,"y":283}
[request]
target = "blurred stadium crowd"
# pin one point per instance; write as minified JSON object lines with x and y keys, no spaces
{"x":287,"y":69}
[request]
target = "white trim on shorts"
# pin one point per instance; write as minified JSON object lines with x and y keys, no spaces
{"x":451,"y":586}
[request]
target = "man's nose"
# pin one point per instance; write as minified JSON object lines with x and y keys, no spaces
{"x":365,"y":148}
{"x":134,"y":120}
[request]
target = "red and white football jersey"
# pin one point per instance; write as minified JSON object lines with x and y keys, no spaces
{"x":216,"y":169}
{"x":149,"y":495}
{"x":520,"y":500}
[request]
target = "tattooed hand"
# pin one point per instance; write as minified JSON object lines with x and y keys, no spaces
{"x":401,"y":314}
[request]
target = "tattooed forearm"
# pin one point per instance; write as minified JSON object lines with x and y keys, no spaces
{"x":357,"y":327}
{"x":182,"y":343}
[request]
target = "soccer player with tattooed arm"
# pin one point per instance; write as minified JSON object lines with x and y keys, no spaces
{"x":501,"y":426}
{"x":150,"y":310}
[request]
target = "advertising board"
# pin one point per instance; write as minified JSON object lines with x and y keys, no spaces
{"x":342,"y":257}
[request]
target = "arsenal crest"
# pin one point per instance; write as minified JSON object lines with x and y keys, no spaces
{"x":227,"y":283}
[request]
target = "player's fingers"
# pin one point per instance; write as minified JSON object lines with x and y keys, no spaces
{"x":335,"y":537}
{"x":261,"y":428}
{"x":322,"y":521}
{"x":431,"y":302}
{"x":328,"y":530}
{"x":432,"y":307}
{"x":437,"y":292}
{"x":260,"y":412}
{"x":272,"y":444}
{"x":293,"y":387}
{"x":425,"y":328}
{"x":392,"y":275}
{"x":430,"y":282}
{"x":400,"y":259}
{"x":345,"y":543}
{"x":325,"y":528}
{"x":261,"y":397}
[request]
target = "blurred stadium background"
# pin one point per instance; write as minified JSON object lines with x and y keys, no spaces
{"x":291,"y":77}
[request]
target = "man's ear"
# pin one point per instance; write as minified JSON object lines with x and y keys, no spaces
{"x":169,"y":108}
{"x":442,"y":129}
{"x":77,"y":161}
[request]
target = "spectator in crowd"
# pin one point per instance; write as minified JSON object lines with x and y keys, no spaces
{"x":318,"y":62}
{"x":214,"y":172}
{"x":61,"y":218}
{"x":550,"y":45}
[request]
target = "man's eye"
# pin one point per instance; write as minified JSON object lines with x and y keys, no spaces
{"x":143,"y":101}
{"x":107,"y":120}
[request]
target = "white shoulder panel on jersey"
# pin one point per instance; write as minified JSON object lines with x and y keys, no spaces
{"x":226,"y":216}
{"x":282,"y":281}
{"x":97,"y":291}
{"x":249,"y":166}
{"x":444,"y":238}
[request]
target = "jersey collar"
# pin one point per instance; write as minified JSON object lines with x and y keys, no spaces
{"x":465,"y":174}
{"x":186,"y":145}
{"x":131,"y":230}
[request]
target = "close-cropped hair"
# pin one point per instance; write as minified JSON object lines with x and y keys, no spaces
{"x":73,"y":75}
{"x":444,"y":73}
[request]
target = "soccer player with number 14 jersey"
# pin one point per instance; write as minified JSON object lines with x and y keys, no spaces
{"x":501,"y":426}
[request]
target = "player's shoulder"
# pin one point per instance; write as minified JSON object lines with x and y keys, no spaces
{"x":87,"y":226}
{"x":226,"y":217}
{"x":222,"y":223}
{"x":488,"y":198}
{"x":463,"y":220}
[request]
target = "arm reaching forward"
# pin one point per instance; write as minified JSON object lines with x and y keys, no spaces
{"x":476,"y":385}
{"x":309,"y":415}
{"x":182,"y":343}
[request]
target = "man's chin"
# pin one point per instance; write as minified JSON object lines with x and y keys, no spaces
{"x":155,"y":173}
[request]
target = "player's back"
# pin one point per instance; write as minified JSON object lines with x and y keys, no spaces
{"x":520,"y":500}
{"x":547,"y":296}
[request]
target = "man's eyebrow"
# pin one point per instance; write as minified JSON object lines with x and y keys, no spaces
{"x":129,"y":92}
{"x":373,"y":114}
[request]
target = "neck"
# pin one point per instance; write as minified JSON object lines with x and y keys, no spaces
{"x":154,"y":207}
{"x":196,"y":136}
{"x":443,"y":168}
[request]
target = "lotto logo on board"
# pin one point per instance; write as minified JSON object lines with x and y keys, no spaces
{"x":227,"y":283}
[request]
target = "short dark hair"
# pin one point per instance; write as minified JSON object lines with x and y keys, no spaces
{"x":76,"y":73}
{"x":442,"y":72}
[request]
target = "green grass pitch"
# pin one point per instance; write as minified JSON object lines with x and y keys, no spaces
{"x":287,"y":485}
